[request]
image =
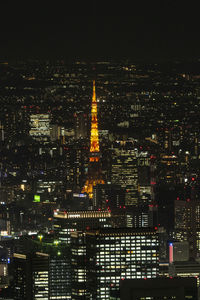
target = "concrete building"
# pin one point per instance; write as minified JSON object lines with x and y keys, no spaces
{"x":101,"y":258}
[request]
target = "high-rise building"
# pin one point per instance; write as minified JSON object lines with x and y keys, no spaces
{"x":79,"y":269}
{"x":144,"y":179}
{"x":40,"y":127}
{"x":108,"y":196}
{"x":4,"y":260}
{"x":60,"y":273}
{"x":4,"y":221}
{"x":139,"y":217}
{"x":76,"y":166}
{"x":185,"y":269}
{"x":55,"y":132}
{"x":184,"y":211}
{"x":124,"y":171}
{"x":101,"y":258}
{"x":1,"y":132}
{"x":67,"y":222}
{"x":14,"y":124}
{"x":31,"y":276}
{"x":44,"y":253}
{"x":178,"y":251}
{"x":94,"y":176}
{"x":80,"y":124}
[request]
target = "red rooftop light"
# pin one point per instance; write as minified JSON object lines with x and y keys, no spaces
{"x":153,"y":182}
{"x":152,"y":157}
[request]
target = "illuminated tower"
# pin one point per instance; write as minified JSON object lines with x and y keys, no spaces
{"x":94,"y":137}
{"x":94,"y":170}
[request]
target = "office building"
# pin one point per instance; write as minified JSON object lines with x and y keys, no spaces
{"x":109,"y":255}
{"x":144,"y":179}
{"x":31,"y":276}
{"x":178,"y":251}
{"x":124,"y":171}
{"x":185,"y":269}
{"x":4,"y":220}
{"x":108,"y":196}
{"x":81,"y":124}
{"x":138,"y":217}
{"x":40,"y":127}
{"x":56,"y":132}
{"x":4,"y":261}
{"x":60,"y":273}
{"x":66,"y":222}
{"x":14,"y":124}
{"x":76,"y":166}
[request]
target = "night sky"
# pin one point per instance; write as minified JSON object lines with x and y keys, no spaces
{"x":96,"y":29}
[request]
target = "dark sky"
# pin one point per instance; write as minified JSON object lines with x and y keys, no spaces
{"x":98,"y":29}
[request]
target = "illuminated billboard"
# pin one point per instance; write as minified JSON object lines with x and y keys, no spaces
{"x":79,"y":195}
{"x":36,"y":198}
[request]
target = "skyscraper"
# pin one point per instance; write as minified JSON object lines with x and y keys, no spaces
{"x":31,"y":276}
{"x":108,"y":196}
{"x":94,"y":170}
{"x":60,"y":272}
{"x":101,"y":258}
{"x":80,"y":124}
{"x":124,"y":170}
{"x":67,"y":222}
{"x":40,"y":127}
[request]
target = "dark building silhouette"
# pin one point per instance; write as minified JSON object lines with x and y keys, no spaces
{"x":31,"y":276}
{"x":108,"y":196}
{"x":159,"y":288}
{"x":81,"y":124}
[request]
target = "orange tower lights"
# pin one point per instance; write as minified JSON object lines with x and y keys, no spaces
{"x":94,"y":174}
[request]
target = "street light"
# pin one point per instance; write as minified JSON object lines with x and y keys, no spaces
{"x":56,"y":242}
{"x":40,"y":237}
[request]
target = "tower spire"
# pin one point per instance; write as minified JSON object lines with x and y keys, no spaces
{"x":94,"y":170}
{"x":94,"y":134}
{"x":94,"y":92}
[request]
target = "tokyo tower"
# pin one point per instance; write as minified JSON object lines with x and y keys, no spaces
{"x":94,"y":168}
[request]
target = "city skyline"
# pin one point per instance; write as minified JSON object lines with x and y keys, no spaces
{"x":100,"y":151}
